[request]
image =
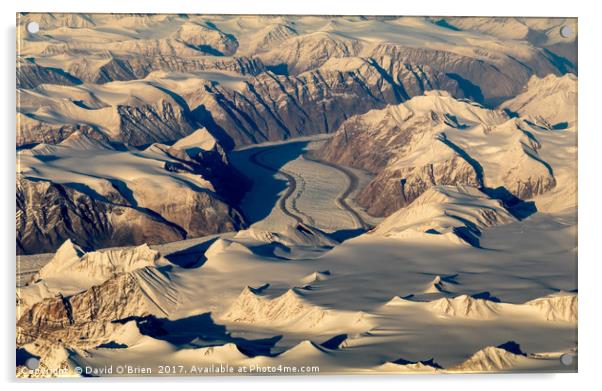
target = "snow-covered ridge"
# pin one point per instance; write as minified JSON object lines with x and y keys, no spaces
{"x":459,"y":212}
{"x":464,"y":307}
{"x":410,"y":367}
{"x":70,"y":262}
{"x":490,"y":359}
{"x":408,"y":55}
{"x":291,"y":311}
{"x":557,"y":307}
{"x":115,"y":110}
{"x":72,"y":271}
{"x":289,"y":235}
{"x":199,"y":139}
{"x":560,"y":307}
{"x":435,"y":140}
{"x":550,"y":101}
{"x":89,"y":317}
{"x":426,"y":159}
{"x":439,"y":102}
{"x":161,"y":187}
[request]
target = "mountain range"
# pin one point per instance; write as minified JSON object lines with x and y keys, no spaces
{"x":366,"y":194}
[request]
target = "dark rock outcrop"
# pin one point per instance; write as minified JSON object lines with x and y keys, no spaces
{"x":31,"y":75}
{"x":274,"y":107}
{"x":49,"y":213}
{"x":87,"y":319}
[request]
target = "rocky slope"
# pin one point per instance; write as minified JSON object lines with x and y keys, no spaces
{"x":31,"y":75}
{"x":127,"y":124}
{"x":489,"y":82}
{"x":158,"y":195}
{"x":272,"y":107}
{"x":48,"y":213}
{"x":438,"y":140}
{"x":467,"y":61}
{"x":105,"y":69}
{"x":266,"y":107}
{"x":88,"y":318}
{"x":306,"y":75}
{"x":137,"y":114}
{"x":79,"y":298}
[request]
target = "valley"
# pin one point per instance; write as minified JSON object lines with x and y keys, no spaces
{"x":352,"y":194}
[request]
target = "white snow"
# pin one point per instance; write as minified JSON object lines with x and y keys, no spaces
{"x":301,"y":301}
{"x":200,"y":138}
{"x":443,"y":208}
{"x":305,"y":272}
{"x":551,"y":100}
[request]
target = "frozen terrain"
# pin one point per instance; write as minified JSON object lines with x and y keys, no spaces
{"x":313,"y":192}
{"x":286,"y":292}
{"x":273,"y":195}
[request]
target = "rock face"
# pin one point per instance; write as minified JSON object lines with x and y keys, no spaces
{"x":138,"y":124}
{"x":33,"y":131}
{"x":306,"y":75}
{"x":423,"y":143}
{"x":490,"y":82}
{"x":116,"y":212}
{"x":273,"y":107}
{"x":124,"y":128}
{"x":489,"y":74}
{"x":154,"y":118}
{"x":402,"y":186}
{"x":31,"y":75}
{"x":49,"y":213}
{"x":88,"y":318}
{"x":104,"y":70}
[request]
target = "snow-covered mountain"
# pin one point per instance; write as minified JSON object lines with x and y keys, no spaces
{"x":305,"y":74}
{"x":138,"y":113}
{"x":103,"y":195}
{"x":550,"y":101}
{"x":348,"y":194}
{"x":457,"y":213}
{"x":436,"y":139}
